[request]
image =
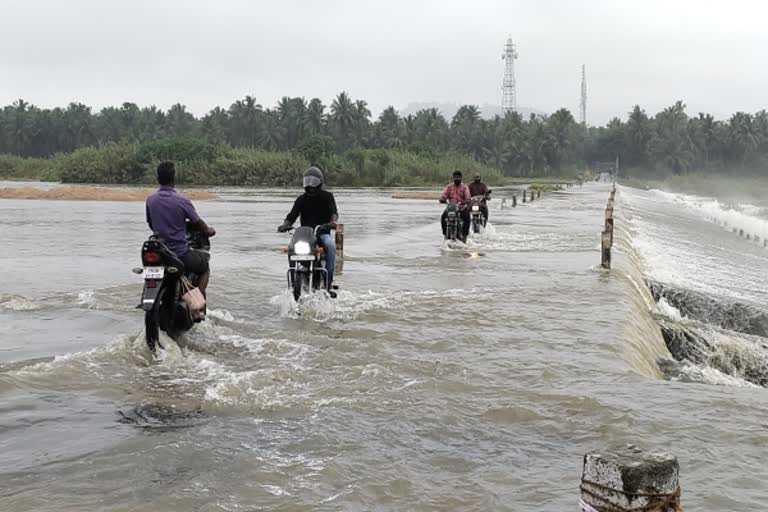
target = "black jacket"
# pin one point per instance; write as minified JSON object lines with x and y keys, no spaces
{"x":314,"y":210}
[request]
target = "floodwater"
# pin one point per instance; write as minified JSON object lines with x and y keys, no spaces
{"x":442,"y":378}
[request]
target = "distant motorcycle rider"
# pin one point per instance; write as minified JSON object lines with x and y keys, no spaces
{"x":478,"y":188}
{"x":458,"y":193}
{"x":168,"y":213}
{"x":316,"y":207}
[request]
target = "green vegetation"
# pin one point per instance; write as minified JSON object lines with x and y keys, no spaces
{"x":247,"y":144}
{"x":202,"y":163}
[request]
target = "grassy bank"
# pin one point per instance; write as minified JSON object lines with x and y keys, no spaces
{"x":81,"y":193}
{"x":200,"y":163}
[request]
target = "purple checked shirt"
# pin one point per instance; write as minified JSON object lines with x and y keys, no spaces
{"x":167,"y":215}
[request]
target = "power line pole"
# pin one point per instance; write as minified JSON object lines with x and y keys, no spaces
{"x":583,"y":104}
{"x":509,"y":84}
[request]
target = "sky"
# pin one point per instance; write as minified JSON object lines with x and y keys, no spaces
{"x":712,"y":55}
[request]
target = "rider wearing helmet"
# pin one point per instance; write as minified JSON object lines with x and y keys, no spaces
{"x":457,"y":192}
{"x":478,"y":188}
{"x":316,"y":207}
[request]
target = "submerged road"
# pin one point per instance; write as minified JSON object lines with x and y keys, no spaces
{"x":442,"y":378}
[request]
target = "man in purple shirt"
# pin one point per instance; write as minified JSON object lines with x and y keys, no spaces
{"x":167,"y":215}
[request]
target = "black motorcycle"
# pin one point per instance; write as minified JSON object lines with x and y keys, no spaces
{"x":306,"y":263}
{"x":161,"y":299}
{"x":476,"y":212}
{"x":454,"y":224}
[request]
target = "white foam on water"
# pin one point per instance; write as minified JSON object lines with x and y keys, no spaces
{"x":742,"y":216}
{"x":348,"y":305}
{"x":282,"y":351}
{"x":664,"y":308}
{"x":221,"y":314}
{"x":708,"y":375}
{"x":266,"y":389}
{"x":18,"y":303}
{"x":319,"y":306}
{"x":86,"y":298}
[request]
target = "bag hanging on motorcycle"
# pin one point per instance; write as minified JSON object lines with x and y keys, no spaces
{"x":193,"y":297}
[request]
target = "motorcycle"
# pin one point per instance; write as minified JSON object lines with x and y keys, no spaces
{"x":164,"y":309}
{"x":454,"y":224}
{"x":306,"y":263}
{"x":476,"y":212}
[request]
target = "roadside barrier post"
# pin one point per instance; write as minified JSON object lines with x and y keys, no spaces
{"x":609,"y":222}
{"x":514,"y":201}
{"x":630,"y":479}
{"x":524,"y":193}
{"x":606,"y":249}
{"x":339,"y":248}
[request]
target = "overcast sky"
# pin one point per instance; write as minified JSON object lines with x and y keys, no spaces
{"x":712,"y":55}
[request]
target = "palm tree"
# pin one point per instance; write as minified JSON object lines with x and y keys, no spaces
{"x":215,"y":126}
{"x":430,"y":130}
{"x":314,"y":119}
{"x":343,"y":118}
{"x":671,"y":144}
{"x":638,"y":132}
{"x":742,"y":135}
{"x":389,"y":129}
{"x":179,"y":122}
{"x":561,"y":128}
{"x":246,"y":122}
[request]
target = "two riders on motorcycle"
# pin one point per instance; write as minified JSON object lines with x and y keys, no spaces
{"x":461,"y":195}
{"x":479,"y":189}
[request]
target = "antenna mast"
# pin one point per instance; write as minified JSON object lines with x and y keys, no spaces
{"x":509,"y":85}
{"x":583,"y":103}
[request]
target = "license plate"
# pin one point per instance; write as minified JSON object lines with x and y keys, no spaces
{"x":154,"y":272}
{"x":296,"y":257}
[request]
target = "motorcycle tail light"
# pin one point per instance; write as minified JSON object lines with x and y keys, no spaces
{"x":151,"y":284}
{"x":151,"y":258}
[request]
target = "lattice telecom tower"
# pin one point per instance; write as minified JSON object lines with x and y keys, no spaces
{"x":583,"y":103}
{"x":509,"y":85}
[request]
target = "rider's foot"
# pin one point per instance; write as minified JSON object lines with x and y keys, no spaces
{"x":332,"y":294}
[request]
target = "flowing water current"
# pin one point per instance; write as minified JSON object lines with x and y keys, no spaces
{"x":444,"y":377}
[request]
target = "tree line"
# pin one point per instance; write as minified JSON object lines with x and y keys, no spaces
{"x":671,"y":141}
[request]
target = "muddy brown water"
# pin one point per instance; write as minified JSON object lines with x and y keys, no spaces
{"x":442,"y":378}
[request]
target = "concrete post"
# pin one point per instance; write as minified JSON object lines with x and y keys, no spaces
{"x":524,"y":193}
{"x":339,"y":248}
{"x":514,"y":201}
{"x":606,"y":250}
{"x":538,"y":194}
{"x":609,"y":222}
{"x":533,"y":195}
{"x":629,"y":479}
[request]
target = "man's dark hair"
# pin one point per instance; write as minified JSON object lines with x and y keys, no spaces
{"x":457,"y":173}
{"x":166,"y":173}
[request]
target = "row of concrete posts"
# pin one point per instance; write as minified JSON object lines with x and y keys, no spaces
{"x":606,"y":240}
